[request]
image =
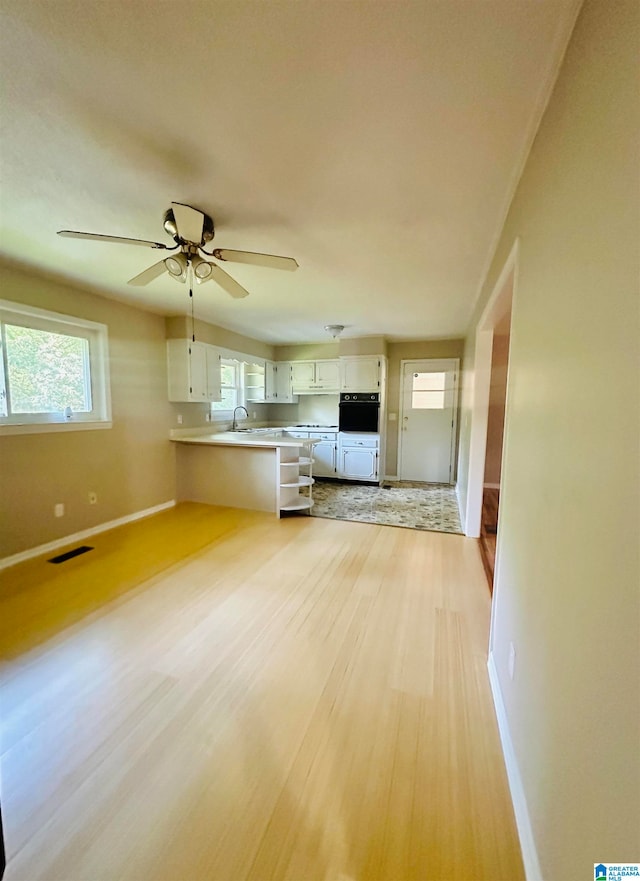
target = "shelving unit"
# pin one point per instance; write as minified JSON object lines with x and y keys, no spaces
{"x":295,"y":487}
{"x":254,"y":378}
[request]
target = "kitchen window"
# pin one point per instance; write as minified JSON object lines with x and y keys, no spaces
{"x":53,"y":371}
{"x":230,"y":387}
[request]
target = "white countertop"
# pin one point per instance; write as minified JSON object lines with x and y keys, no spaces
{"x":242,"y":439}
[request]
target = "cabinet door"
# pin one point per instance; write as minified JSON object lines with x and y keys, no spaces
{"x":198,"y":372}
{"x":360,"y":374}
{"x":270,"y":382}
{"x":327,"y":375}
{"x":303,"y":375}
{"x":359,"y":464}
{"x":283,"y":383}
{"x":213,"y":373}
{"x":324,"y":455}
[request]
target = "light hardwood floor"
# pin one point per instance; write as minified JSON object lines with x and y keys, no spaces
{"x":215,"y":695}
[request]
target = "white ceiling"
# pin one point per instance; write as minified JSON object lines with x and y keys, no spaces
{"x":376,"y":141}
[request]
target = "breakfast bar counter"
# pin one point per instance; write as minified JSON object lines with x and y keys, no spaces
{"x":261,"y":469}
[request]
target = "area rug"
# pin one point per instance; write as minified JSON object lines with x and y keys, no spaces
{"x":412,"y":505}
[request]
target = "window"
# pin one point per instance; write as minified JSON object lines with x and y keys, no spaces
{"x":427,"y":391}
{"x":230,"y":387}
{"x":53,"y":371}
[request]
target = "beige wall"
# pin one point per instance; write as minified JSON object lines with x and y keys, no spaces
{"x":366,"y":345}
{"x":130,"y":466}
{"x":497,"y":402}
{"x":567,"y":592}
{"x":404,"y":351}
{"x":179,"y":327}
{"x":306,"y":352}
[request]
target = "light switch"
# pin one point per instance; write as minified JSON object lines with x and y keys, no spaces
{"x":393,"y":417}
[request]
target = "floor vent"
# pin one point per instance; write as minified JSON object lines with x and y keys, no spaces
{"x":69,"y":554}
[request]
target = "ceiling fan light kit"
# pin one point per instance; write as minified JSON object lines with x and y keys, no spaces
{"x":191,"y":229}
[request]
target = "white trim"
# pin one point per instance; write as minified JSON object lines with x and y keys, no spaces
{"x":532,"y":869}
{"x":5,"y":562}
{"x":459,"y":500}
{"x":492,"y":486}
{"x":391,"y":477}
{"x":481,"y":389}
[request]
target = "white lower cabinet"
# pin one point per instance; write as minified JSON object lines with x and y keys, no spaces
{"x":358,"y":457}
{"x":325,"y":454}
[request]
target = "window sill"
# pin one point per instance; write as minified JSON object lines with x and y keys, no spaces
{"x":48,"y":427}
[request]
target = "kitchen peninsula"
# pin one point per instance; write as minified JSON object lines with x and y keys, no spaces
{"x":264,"y":470}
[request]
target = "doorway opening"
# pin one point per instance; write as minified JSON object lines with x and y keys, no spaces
{"x":486,"y":454}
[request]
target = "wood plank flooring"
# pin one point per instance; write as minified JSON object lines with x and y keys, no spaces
{"x":215,"y":694}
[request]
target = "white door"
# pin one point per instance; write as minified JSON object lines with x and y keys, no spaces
{"x":428,"y":416}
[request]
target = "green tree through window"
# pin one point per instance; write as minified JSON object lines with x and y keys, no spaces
{"x":47,"y":372}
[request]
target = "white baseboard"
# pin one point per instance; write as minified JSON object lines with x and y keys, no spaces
{"x":391,"y":477}
{"x":525,"y":832}
{"x":491,"y":485}
{"x":5,"y":562}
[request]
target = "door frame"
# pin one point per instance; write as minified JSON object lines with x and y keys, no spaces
{"x":454,"y":433}
{"x":504,"y":289}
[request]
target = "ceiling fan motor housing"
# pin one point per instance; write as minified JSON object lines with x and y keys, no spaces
{"x":170,"y":226}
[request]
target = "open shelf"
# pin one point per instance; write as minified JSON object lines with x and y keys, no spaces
{"x":302,"y":503}
{"x":302,"y":480}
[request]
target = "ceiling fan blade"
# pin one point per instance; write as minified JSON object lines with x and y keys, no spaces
{"x":189,"y":222}
{"x":225,"y":281}
{"x":91,"y":236}
{"x":256,"y":259}
{"x":148,"y":274}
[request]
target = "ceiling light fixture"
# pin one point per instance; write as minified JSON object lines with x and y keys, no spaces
{"x":202,"y":270}
{"x":177,"y":265}
{"x":334,"y":329}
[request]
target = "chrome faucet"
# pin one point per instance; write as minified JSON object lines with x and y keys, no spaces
{"x":233,"y":424}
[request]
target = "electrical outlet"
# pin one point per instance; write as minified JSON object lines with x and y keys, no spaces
{"x":512,"y":660}
{"x":207,"y":417}
{"x":254,"y":414}
{"x":58,"y":510}
{"x":93,"y":498}
{"x":179,"y":418}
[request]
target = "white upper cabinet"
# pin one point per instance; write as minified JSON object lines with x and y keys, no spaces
{"x":193,"y":371}
{"x":270,"y":382}
{"x":308,"y":377}
{"x":361,"y":373}
{"x":284,"y":388}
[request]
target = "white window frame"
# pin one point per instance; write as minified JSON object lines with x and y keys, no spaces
{"x":96,"y":336}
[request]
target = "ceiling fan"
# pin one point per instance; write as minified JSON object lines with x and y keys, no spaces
{"x":191,"y":229}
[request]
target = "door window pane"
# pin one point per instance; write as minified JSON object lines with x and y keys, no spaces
{"x":428,"y":391}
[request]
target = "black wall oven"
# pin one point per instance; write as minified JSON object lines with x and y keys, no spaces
{"x":359,"y":411}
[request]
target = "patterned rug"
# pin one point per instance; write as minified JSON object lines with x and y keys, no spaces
{"x":413,"y":505}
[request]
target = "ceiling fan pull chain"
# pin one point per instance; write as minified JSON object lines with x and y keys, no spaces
{"x":193,"y":323}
